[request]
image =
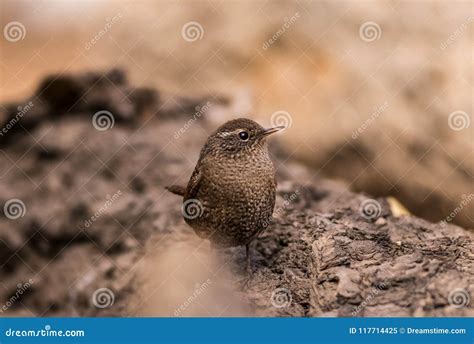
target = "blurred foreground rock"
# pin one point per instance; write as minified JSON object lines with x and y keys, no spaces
{"x":96,"y":233}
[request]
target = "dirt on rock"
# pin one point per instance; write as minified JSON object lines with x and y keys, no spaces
{"x":98,"y":235}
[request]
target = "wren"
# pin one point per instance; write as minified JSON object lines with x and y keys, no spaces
{"x":231,"y":193}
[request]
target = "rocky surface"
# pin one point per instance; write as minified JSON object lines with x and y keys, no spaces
{"x":331,"y":259}
{"x":93,"y":209}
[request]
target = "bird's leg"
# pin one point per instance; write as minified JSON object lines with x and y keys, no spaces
{"x":247,"y":249}
{"x":246,"y":280}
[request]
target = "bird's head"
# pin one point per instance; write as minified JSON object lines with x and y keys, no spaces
{"x":239,"y":136}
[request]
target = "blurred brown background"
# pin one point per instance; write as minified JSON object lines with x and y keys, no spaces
{"x":325,"y":68}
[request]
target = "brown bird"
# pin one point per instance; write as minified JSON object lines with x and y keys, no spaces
{"x":231,"y":194}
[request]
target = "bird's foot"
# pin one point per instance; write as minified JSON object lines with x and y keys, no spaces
{"x":245,"y":282}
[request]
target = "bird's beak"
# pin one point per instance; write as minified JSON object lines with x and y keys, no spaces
{"x":273,"y":130}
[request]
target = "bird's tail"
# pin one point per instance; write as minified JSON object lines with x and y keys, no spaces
{"x":176,"y":189}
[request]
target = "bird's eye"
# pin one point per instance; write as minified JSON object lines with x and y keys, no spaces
{"x":244,"y":136}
